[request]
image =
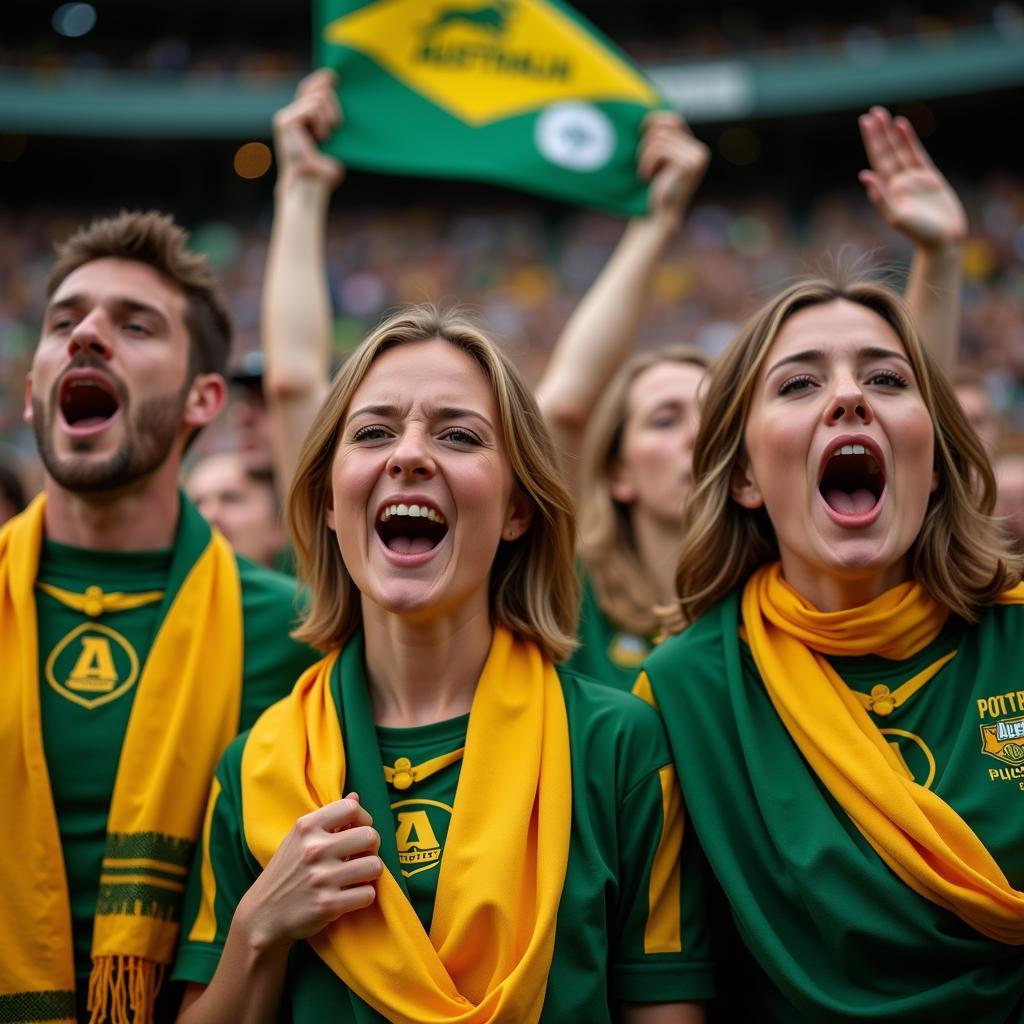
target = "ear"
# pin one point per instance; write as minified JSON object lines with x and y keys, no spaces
{"x":26,"y":414}
{"x":329,"y":509}
{"x":206,"y":398}
{"x":742,"y":485}
{"x":620,"y":483}
{"x":518,"y":516}
{"x":935,"y":481}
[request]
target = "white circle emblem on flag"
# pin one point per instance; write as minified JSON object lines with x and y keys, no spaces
{"x":575,"y":135}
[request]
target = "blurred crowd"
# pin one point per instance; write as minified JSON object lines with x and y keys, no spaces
{"x":244,"y":51}
{"x":523,"y":270}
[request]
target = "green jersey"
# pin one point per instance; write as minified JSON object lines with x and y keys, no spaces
{"x":89,"y":667}
{"x":608,"y":906}
{"x":606,"y":653}
{"x":814,"y":925}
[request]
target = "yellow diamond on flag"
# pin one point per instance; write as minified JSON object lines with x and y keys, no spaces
{"x":484,"y":61}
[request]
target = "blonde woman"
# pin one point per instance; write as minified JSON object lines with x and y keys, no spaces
{"x":846,"y":709}
{"x":626,"y":435}
{"x":515,"y":851}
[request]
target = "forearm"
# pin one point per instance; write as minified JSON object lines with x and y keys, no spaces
{"x":603,"y":326}
{"x":296,"y":318}
{"x":601,"y":332}
{"x":663,"y":1013}
{"x":246,"y":988}
{"x":934,"y":294}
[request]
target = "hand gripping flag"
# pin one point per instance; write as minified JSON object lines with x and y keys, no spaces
{"x":518,"y":92}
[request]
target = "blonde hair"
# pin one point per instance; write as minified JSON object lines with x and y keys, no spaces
{"x":533,"y":586}
{"x":959,"y":556}
{"x":607,"y":544}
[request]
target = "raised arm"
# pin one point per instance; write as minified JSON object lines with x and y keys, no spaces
{"x":296,"y":318}
{"x":914,"y":198}
{"x":603,"y":326}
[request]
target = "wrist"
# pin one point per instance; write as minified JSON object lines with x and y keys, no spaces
{"x":949,"y":250}
{"x":292,"y":183}
{"x":257,"y":934}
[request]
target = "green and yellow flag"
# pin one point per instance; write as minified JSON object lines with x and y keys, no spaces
{"x":522,"y":93}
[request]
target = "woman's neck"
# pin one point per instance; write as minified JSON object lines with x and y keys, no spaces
{"x":837,"y":592}
{"x":423,"y":672}
{"x":657,"y":544}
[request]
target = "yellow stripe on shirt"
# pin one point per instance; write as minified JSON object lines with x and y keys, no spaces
{"x":663,"y":933}
{"x":205,"y":927}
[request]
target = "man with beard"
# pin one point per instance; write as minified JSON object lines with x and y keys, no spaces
{"x":135,"y":642}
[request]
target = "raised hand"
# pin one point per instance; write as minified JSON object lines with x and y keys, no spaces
{"x":308,"y":119}
{"x":325,"y":867}
{"x":906,"y":187}
{"x":673,"y":161}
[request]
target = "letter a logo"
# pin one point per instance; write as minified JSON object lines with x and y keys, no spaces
{"x":94,"y":671}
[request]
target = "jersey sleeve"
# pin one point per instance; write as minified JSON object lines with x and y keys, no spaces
{"x":222,"y":873}
{"x":662,"y":950}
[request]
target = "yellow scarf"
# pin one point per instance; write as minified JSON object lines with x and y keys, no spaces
{"x":185,"y":713}
{"x":492,"y":936}
{"x":922,"y":839}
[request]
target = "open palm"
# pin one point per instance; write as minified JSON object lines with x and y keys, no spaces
{"x":908,"y":189}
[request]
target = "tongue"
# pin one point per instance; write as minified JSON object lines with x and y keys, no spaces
{"x":850,"y":503}
{"x":410,"y":545}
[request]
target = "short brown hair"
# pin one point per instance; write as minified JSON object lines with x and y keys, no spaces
{"x":534,"y":589}
{"x":960,"y":556}
{"x":154,"y":239}
{"x":608,"y":547}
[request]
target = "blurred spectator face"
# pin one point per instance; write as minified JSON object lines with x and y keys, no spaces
{"x":655,"y":468}
{"x":977,"y":406}
{"x":251,"y":424}
{"x":1010,"y":495}
{"x":239,"y":503}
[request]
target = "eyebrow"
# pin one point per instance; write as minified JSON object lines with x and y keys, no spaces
{"x":817,"y":355}
{"x":122,"y":302}
{"x":448,"y":412}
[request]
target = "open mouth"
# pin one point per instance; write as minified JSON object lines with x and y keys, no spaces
{"x":87,"y":401}
{"x":411,"y":529}
{"x":853,"y":480}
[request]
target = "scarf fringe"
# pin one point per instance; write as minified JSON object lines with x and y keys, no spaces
{"x":123,"y":989}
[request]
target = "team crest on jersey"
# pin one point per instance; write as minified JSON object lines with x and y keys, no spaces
{"x":1004,"y":740}
{"x":914,"y":755}
{"x":420,"y":830}
{"x":627,"y":650}
{"x":92,"y":665}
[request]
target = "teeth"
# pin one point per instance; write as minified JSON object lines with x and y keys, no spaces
{"x":415,"y":511}
{"x":850,"y":449}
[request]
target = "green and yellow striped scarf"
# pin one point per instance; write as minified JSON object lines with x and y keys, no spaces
{"x":185,"y":713}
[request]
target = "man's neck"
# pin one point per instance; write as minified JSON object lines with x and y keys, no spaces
{"x":141,"y":517}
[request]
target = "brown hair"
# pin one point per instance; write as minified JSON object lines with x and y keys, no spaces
{"x":607,"y":545}
{"x":960,"y":556}
{"x":154,"y":239}
{"x":534,"y":589}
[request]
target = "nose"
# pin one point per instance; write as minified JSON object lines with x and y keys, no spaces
{"x":410,"y":458}
{"x":847,"y":401}
{"x":91,"y":336}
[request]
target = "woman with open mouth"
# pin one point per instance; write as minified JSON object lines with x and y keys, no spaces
{"x":437,"y":825}
{"x":846,"y":708}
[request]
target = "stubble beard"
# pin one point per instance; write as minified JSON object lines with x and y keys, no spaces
{"x":150,"y":433}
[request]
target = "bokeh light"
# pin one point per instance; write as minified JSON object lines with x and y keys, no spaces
{"x":253,"y":160}
{"x":74,"y":20}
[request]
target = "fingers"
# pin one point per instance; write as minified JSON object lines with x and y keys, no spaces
{"x":884,"y":148}
{"x":667,"y":142}
{"x":917,"y":154}
{"x":876,"y":190}
{"x":339,"y":814}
